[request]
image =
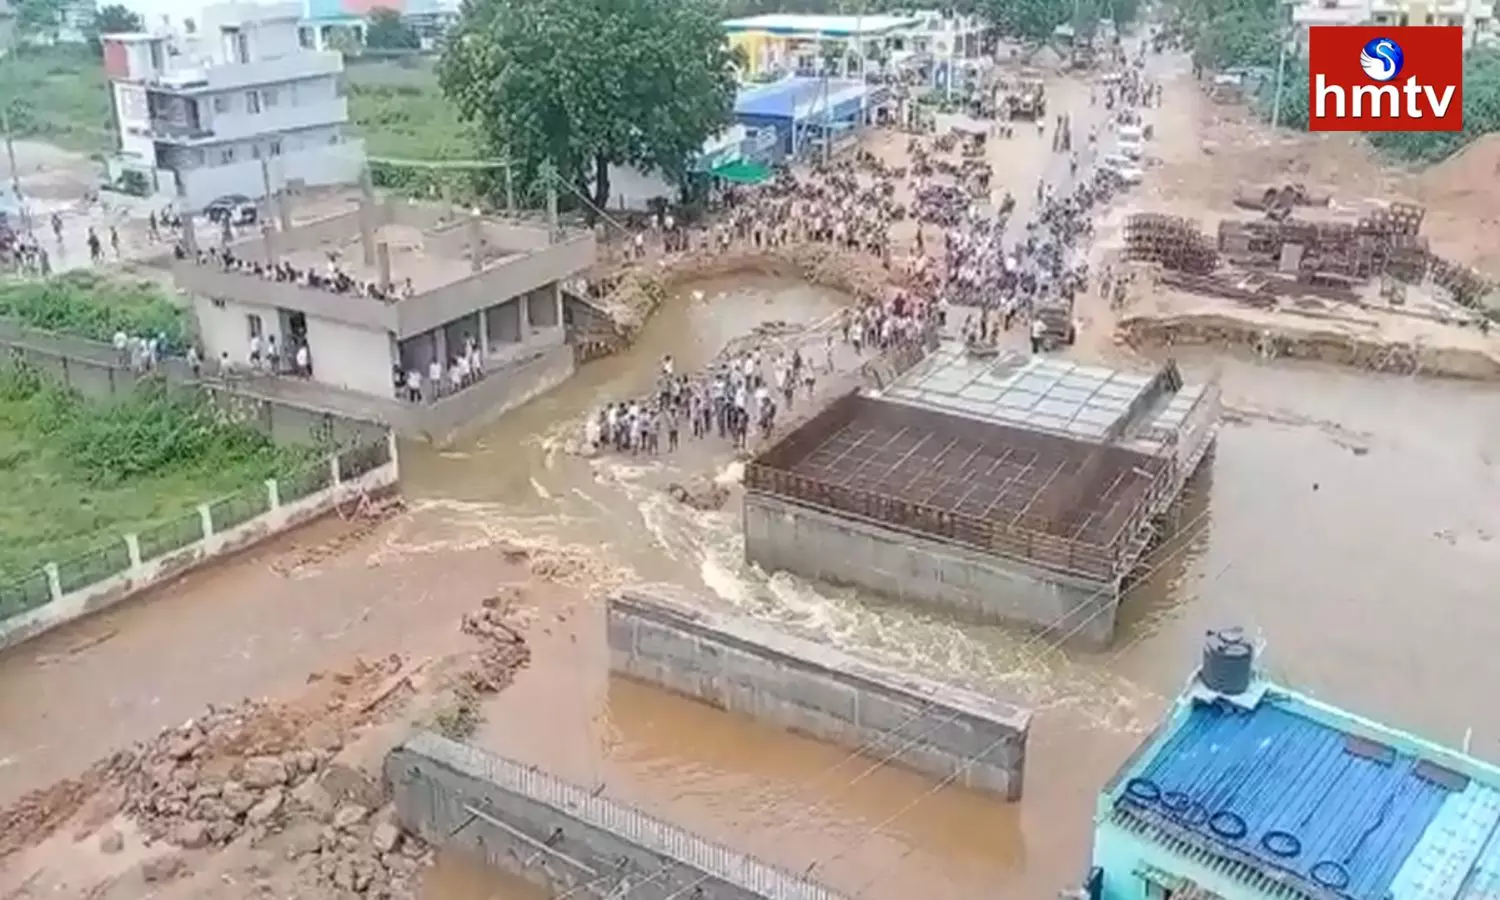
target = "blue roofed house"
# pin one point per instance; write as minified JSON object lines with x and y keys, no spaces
{"x":1251,"y":790}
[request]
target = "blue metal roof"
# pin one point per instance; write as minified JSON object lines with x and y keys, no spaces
{"x":1273,"y":787}
{"x":782,"y":98}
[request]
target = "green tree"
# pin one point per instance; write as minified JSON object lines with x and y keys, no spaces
{"x":586,"y":84}
{"x":385,"y":29}
{"x":38,"y":20}
{"x":112,"y":19}
{"x":1026,"y":20}
{"x":1230,"y":33}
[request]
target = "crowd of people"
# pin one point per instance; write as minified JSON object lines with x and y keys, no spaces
{"x":968,"y":250}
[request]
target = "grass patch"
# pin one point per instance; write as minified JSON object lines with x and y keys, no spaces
{"x":58,"y":94}
{"x":78,"y":474}
{"x":91,"y":306}
{"x":402,"y":114}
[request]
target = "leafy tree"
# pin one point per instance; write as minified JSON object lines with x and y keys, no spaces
{"x":385,"y":29}
{"x":1230,"y":33}
{"x":113,"y":19}
{"x":586,"y":84}
{"x":38,"y":20}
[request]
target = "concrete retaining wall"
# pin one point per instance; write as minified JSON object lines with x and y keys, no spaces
{"x":567,"y":838}
{"x":741,"y":666}
{"x":141,"y":574}
{"x":842,"y":549}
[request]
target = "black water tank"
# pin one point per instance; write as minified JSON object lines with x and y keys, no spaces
{"x":1228,"y":662}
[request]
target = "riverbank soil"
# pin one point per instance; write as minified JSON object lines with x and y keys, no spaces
{"x":1206,"y":153}
{"x":1332,"y":498}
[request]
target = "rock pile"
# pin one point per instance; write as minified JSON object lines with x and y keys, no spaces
{"x":258,"y":772}
{"x":699,"y":493}
{"x":502,"y":650}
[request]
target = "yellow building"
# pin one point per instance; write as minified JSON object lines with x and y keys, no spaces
{"x":786,"y":43}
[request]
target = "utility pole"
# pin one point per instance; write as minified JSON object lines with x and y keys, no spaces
{"x":510,"y":189}
{"x":549,"y":178}
{"x":15,"y":171}
{"x":1280,"y":83}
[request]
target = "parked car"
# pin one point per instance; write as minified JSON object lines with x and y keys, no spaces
{"x":236,"y":209}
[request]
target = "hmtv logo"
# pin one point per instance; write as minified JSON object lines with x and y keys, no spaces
{"x":1385,"y":79}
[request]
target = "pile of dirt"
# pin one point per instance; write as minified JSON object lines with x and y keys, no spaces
{"x":1470,"y":177}
{"x":640,"y":289}
{"x":502,"y":653}
{"x":702,"y":494}
{"x":251,"y":772}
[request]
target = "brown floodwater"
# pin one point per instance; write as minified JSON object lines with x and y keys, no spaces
{"x":1348,"y":520}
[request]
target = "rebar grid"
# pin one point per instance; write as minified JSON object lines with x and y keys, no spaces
{"x":981,"y":484}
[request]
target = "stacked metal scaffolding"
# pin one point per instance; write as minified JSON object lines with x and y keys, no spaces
{"x":1171,"y":242}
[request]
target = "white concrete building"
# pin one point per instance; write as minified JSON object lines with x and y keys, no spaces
{"x":240,"y":107}
{"x":1476,"y":17}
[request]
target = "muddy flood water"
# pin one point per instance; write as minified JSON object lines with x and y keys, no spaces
{"x":1347,"y":520}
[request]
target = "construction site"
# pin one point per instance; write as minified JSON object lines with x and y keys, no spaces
{"x":1016,"y":489}
{"x":1311,"y":280}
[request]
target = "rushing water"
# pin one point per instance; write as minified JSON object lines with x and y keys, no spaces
{"x":1347,"y":520}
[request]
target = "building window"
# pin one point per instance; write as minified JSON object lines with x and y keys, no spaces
{"x":255,"y":151}
{"x":256,"y":327}
{"x":268,"y":98}
{"x":221,"y":104}
{"x":275,"y":148}
{"x":252,"y":102}
{"x":226,"y":156}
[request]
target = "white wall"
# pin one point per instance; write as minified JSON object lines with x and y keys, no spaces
{"x":131,"y":112}
{"x":351,"y":358}
{"x":314,"y":164}
{"x":223,"y":326}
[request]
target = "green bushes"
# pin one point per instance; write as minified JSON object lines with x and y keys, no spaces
{"x":58,"y":94}
{"x":90,"y":306}
{"x":77,"y":473}
{"x":412,"y":121}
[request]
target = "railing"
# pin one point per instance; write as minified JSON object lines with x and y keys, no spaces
{"x":130,"y":552}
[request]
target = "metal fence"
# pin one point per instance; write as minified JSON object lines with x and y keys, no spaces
{"x":23,"y":593}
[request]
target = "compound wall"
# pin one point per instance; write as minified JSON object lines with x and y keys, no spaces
{"x":742,"y":666}
{"x":566,"y":838}
{"x":842,"y":549}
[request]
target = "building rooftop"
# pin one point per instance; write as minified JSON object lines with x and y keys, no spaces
{"x":1041,"y":393}
{"x":837,"y":26}
{"x":1284,"y":796}
{"x":797,"y":97}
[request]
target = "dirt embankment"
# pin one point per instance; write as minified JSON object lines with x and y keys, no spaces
{"x":1379,"y":354}
{"x":642,"y":287}
{"x":260,"y":798}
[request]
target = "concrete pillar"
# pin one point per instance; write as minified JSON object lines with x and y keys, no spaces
{"x":206,"y":519}
{"x":367,"y":215}
{"x":440,"y":345}
{"x":484,"y":329}
{"x":383,"y":264}
{"x":268,"y":239}
{"x":476,"y":242}
{"x":189,"y":233}
{"x":557,"y":301}
{"x":54,"y":581}
{"x":333,"y":470}
{"x":273,"y":494}
{"x":449,"y":213}
{"x":284,"y":210}
{"x":133,"y":550}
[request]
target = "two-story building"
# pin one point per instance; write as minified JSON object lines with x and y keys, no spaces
{"x":425,"y":318}
{"x":1251,"y":790}
{"x":241,"y":107}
